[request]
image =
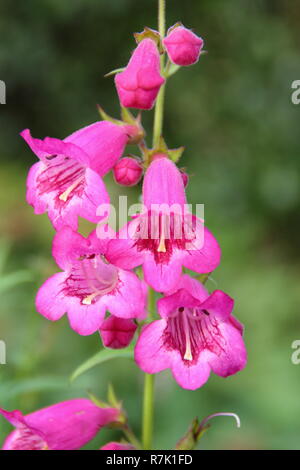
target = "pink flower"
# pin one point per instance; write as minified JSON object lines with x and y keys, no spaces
{"x":88,"y":285}
{"x":117,"y":333}
{"x":183,"y":46}
{"x":128,"y":171}
{"x":196,"y":334}
{"x":67,"y":182}
{"x":165,"y":236}
{"x":68,"y":425}
{"x":139,"y":84}
{"x":117,"y":446}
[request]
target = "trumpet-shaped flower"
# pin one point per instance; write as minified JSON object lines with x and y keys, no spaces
{"x":139,"y":84}
{"x":66,"y":182}
{"x":196,"y":334}
{"x":89,"y":285}
{"x":67,"y":425}
{"x":165,"y":236}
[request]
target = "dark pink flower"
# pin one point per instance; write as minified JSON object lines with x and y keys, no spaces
{"x":196,"y":334}
{"x":117,"y":446}
{"x":128,"y":171}
{"x":139,"y":84}
{"x":117,"y":333}
{"x":88,"y":285}
{"x":165,"y":236}
{"x":67,"y":425}
{"x":183,"y":46}
{"x":67,"y":182}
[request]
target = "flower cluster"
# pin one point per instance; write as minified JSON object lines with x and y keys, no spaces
{"x":164,"y":248}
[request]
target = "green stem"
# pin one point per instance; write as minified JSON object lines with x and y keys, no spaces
{"x":148,"y":404}
{"x":148,"y":408}
{"x":159,"y":107}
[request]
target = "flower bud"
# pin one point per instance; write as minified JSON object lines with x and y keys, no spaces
{"x":128,"y":171}
{"x":139,"y":84}
{"x":183,"y":46}
{"x":117,"y":333}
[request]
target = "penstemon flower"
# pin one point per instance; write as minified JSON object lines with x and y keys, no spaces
{"x":66,"y":182}
{"x":193,"y":332}
{"x":196,"y":334}
{"x":164,"y":237}
{"x":139,"y":84}
{"x":68,"y":425}
{"x":89,"y":285}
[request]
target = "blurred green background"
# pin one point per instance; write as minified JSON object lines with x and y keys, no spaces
{"x":234,"y":115}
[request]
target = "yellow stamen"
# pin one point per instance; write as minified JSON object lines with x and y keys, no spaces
{"x":162,"y":247}
{"x":188,"y":353}
{"x":88,"y":300}
{"x":64,"y":196}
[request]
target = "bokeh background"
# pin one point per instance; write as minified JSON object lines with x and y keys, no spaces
{"x":233,"y":113}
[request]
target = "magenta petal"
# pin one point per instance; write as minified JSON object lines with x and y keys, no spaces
{"x":95,"y":194}
{"x":219,"y":304}
{"x":205,"y":259}
{"x":32,"y":197}
{"x":122,"y":250}
{"x":150,"y":353}
{"x":163,"y":277}
{"x":117,"y":446}
{"x":163,"y":184}
{"x":233,"y":357}
{"x":71,"y":424}
{"x":117,"y":333}
{"x":68,"y":246}
{"x":99,"y":240}
{"x":103,"y":141}
{"x":50,"y":300}
{"x":192,"y":376}
{"x":85,"y":319}
{"x":51,"y":146}
{"x":128,"y":300}
{"x":169,"y":304}
{"x":194,"y":287}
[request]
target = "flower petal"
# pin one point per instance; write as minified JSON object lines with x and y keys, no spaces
{"x":190,"y":376}
{"x":233,"y":357}
{"x":163,"y":277}
{"x":128,"y":300}
{"x":206,"y":258}
{"x":50,"y":300}
{"x":163,"y":184}
{"x":150,"y":353}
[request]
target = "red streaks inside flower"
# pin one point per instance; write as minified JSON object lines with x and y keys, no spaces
{"x":90,"y":278}
{"x":191,"y":331}
{"x":24,"y":438}
{"x":162,"y":234}
{"x":63,"y":176}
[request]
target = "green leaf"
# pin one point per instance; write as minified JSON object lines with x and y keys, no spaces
{"x":114,"y":72}
{"x":102,"y":356}
{"x":13,"y":279}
